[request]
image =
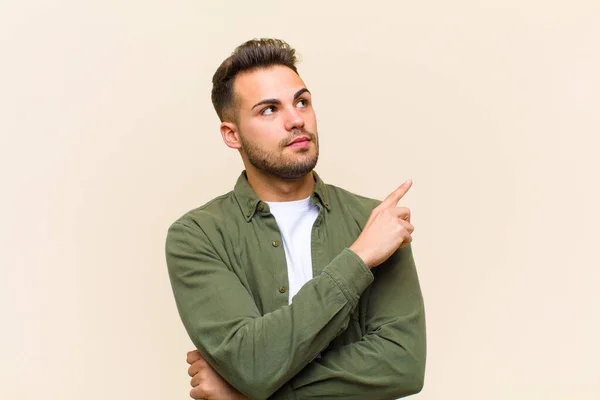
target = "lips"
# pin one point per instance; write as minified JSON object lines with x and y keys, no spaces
{"x":300,"y":139}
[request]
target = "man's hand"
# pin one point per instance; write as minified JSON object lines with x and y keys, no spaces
{"x":387,"y":229}
{"x":206,"y":383}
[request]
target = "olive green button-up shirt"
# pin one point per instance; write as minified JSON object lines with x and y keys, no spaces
{"x":349,"y":333}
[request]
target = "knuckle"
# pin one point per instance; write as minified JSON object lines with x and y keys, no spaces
{"x":406,"y":241}
{"x":399,"y":230}
{"x":195,"y":393}
{"x":202,"y":375}
{"x":192,"y":356}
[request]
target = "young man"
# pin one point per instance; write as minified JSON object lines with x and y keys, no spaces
{"x":288,"y":287}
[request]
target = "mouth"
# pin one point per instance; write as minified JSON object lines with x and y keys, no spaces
{"x":300,"y":141}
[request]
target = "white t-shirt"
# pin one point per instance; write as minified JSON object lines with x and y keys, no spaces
{"x":295,"y":220}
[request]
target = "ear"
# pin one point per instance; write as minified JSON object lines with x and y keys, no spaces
{"x":230,"y":136}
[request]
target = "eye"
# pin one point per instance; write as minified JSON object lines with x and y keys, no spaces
{"x":268,"y":111}
{"x":302,"y":103}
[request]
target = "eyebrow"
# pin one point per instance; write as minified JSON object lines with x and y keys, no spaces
{"x":277,"y":101}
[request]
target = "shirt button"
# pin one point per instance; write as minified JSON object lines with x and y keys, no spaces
{"x":326,"y":204}
{"x":282,"y":289}
{"x":261,"y":207}
{"x":275,"y":243}
{"x":249,"y":213}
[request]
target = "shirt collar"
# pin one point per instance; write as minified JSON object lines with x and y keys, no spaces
{"x":249,"y":201}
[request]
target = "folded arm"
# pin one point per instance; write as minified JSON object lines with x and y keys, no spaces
{"x":389,"y":361}
{"x":257,"y":353}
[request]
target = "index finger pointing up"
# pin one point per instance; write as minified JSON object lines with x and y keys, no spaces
{"x":394,"y":197}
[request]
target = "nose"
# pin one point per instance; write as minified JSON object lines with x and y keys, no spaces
{"x":293,"y":119}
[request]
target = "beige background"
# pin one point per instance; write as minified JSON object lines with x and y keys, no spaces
{"x":108,"y":135}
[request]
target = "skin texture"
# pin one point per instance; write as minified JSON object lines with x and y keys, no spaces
{"x":387,"y":229}
{"x":206,"y":383}
{"x":276,"y":171}
{"x":273,"y":107}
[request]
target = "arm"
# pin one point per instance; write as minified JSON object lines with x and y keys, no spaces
{"x":389,"y":361}
{"x":257,"y":354}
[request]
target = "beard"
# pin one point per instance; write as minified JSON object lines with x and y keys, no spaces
{"x":279,"y":164}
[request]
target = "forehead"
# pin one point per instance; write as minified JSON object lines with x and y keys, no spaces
{"x":277,"y":82}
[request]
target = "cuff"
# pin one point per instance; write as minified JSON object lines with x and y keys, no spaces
{"x":351,"y":274}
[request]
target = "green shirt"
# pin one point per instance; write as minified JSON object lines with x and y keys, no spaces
{"x":228,"y":271}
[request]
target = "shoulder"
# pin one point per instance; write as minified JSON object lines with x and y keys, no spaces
{"x":351,"y":198}
{"x":210,"y":215}
{"x":352,"y":203}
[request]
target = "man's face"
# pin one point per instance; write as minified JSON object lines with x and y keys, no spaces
{"x":276,"y":122}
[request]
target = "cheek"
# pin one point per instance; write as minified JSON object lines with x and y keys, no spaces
{"x":310,"y":120}
{"x":261,"y":129}
{"x":263,"y":134}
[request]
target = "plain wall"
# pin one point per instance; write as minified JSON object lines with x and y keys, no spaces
{"x":108,"y":135}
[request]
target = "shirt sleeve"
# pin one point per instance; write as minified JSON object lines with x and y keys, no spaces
{"x":389,"y":361}
{"x":255,"y":353}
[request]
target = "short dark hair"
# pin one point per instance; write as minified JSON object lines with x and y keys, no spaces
{"x":251,"y":55}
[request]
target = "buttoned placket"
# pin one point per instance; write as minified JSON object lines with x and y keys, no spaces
{"x":316,"y":249}
{"x":279,"y":265}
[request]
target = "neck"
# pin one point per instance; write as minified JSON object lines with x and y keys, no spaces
{"x":273,"y":188}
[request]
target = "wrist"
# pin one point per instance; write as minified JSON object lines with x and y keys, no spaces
{"x":362,"y":255}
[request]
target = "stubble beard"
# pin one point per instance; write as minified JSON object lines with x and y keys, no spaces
{"x":277,"y":163}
